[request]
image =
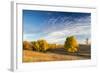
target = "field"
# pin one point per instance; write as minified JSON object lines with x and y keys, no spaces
{"x":57,"y":54}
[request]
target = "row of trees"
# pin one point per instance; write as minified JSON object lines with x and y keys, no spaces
{"x":40,"y":45}
{"x":70,"y":45}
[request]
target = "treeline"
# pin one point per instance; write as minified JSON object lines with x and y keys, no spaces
{"x":40,"y":45}
{"x":70,"y":45}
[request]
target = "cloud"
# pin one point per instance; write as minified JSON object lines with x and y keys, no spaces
{"x":56,"y":29}
{"x":60,"y":36}
{"x":65,"y":22}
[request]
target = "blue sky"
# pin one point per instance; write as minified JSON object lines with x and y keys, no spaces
{"x":55,"y":26}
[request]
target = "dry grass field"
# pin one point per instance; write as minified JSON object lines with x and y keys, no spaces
{"x":57,"y":54}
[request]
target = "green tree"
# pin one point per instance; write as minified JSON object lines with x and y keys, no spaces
{"x":71,"y":44}
{"x":35,"y":46}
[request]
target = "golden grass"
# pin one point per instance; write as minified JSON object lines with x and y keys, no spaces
{"x":33,"y":56}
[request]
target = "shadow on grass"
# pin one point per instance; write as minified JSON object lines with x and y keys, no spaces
{"x":85,"y":51}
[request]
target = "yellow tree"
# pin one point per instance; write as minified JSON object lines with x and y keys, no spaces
{"x":43,"y":45}
{"x":35,"y":45}
{"x":71,"y":44}
{"x":40,"y":45}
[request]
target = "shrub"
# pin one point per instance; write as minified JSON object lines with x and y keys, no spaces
{"x":71,"y":44}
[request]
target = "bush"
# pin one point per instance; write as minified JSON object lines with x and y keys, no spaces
{"x":27,"y":45}
{"x":71,"y":44}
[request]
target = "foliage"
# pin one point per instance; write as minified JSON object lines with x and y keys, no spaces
{"x":71,"y":44}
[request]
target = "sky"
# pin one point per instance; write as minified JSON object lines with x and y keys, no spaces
{"x":55,"y":27}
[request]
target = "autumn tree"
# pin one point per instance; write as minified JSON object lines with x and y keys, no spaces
{"x":27,"y":45}
{"x":71,"y":44}
{"x":43,"y":45}
{"x":35,"y":45}
{"x":40,"y":45}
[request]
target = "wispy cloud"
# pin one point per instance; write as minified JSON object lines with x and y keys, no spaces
{"x":55,"y":29}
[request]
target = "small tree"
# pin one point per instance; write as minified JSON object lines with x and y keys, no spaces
{"x":27,"y":45}
{"x":35,"y":45}
{"x":40,"y":45}
{"x":43,"y":45}
{"x":71,"y":44}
